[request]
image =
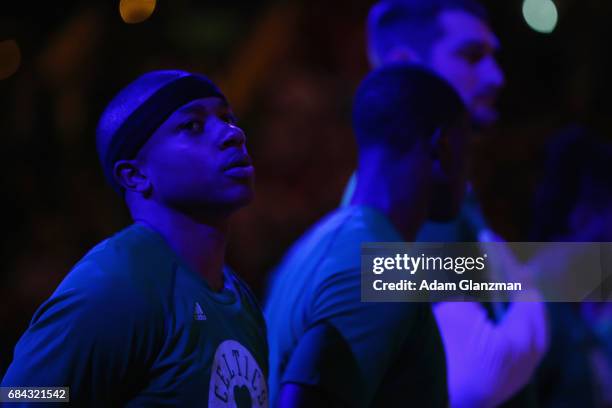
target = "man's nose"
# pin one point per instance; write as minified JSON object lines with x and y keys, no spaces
{"x":494,"y":74}
{"x":233,"y":137}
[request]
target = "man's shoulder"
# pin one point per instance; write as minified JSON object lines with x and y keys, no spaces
{"x":340,"y":235}
{"x":317,"y":245}
{"x":130,"y":262}
{"x":330,"y":252}
{"x":362,"y":222}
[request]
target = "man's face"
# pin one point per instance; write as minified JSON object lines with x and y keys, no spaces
{"x":464,"y":56}
{"x":197,"y":159}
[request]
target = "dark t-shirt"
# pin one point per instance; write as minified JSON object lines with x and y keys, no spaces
{"x":132,"y":325}
{"x":397,"y":354}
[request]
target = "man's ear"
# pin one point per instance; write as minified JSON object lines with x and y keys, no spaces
{"x":129,"y":176}
{"x":441,"y":153}
{"x":444,"y":204}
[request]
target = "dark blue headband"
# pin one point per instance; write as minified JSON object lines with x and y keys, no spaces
{"x":140,"y":124}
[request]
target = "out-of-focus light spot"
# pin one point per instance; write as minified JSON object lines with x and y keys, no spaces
{"x":540,"y":15}
{"x":136,"y":11}
{"x":10,"y":58}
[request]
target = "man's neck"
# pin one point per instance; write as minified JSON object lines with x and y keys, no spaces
{"x":403,"y":205}
{"x":201,"y":244}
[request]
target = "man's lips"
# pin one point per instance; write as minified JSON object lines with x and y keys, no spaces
{"x":238,"y":160}
{"x":240,"y":172}
{"x":239,"y":166}
{"x":488,"y":97}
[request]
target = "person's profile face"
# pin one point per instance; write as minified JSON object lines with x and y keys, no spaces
{"x":197,"y":159}
{"x":465,"y":56}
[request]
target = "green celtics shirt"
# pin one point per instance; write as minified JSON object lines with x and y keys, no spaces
{"x":366,"y":354}
{"x":132,"y":325}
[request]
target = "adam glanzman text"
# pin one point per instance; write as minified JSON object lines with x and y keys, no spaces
{"x":414,"y":264}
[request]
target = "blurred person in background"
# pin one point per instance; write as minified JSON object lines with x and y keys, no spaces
{"x":454,"y":39}
{"x":573,"y":203}
{"x":152,"y":316}
{"x":327,"y":348}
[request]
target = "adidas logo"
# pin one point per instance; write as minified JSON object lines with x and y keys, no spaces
{"x":198,"y":313}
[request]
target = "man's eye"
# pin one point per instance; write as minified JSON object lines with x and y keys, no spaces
{"x":193,"y":126}
{"x":229,"y":118}
{"x":472,"y":56}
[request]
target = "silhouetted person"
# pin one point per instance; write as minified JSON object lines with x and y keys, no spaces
{"x":326,"y":346}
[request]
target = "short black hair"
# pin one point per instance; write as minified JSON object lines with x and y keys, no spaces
{"x":412,"y":22}
{"x":398,"y":104}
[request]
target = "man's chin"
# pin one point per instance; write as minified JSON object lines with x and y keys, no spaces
{"x":243,"y":199}
{"x":484,"y":118}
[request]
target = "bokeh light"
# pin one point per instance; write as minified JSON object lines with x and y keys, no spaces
{"x":540,"y":15}
{"x":136,"y":11}
{"x":10,"y":58}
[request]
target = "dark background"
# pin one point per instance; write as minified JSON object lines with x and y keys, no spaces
{"x":290,"y":69}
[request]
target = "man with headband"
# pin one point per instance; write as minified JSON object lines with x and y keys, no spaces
{"x":151,"y":316}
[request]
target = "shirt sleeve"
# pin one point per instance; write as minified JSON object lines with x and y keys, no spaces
{"x":373,"y":333}
{"x":90,"y":335}
{"x":490,"y":362}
